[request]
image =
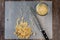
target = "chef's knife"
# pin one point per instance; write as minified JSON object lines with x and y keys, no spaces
{"x":36,"y":20}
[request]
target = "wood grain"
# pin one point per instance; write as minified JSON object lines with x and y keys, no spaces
{"x":55,"y":19}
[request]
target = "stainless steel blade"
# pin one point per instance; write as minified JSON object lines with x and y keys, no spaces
{"x":36,"y":19}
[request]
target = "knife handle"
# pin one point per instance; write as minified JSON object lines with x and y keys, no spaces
{"x":45,"y":35}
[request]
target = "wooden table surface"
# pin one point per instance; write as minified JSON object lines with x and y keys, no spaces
{"x":55,"y":18}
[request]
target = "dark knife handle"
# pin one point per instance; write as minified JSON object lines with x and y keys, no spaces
{"x":45,"y":35}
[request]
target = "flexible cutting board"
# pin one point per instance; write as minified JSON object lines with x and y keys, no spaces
{"x":17,"y":9}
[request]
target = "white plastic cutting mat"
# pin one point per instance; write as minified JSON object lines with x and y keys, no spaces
{"x":14,"y":10}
